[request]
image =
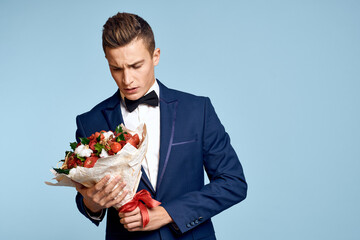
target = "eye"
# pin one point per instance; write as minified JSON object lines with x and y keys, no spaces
{"x":116,"y":69}
{"x":136,"y":66}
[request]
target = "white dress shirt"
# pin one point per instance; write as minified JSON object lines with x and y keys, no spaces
{"x":149,"y":115}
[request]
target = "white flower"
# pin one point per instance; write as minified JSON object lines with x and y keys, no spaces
{"x":107,"y":135}
{"x":83,"y":151}
{"x":103,"y":153}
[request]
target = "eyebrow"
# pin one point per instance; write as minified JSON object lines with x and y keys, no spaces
{"x":136,"y":63}
{"x":130,"y":65}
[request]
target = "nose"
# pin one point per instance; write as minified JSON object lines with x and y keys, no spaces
{"x":127,"y":79}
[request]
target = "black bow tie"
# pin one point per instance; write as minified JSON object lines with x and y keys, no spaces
{"x":151,"y":99}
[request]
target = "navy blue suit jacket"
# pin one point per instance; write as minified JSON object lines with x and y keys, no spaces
{"x":191,"y":139}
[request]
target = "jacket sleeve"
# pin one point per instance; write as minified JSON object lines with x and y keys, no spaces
{"x":79,"y":198}
{"x":227,"y":182}
{"x":81,"y":206}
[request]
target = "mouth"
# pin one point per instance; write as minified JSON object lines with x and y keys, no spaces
{"x":130,"y":90}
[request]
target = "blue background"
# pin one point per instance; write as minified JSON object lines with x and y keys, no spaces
{"x":282,"y":75}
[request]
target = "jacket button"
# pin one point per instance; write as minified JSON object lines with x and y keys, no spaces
{"x":196,"y":221}
{"x":192,"y":223}
{"x":188,"y":225}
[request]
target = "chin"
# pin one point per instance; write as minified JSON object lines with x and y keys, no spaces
{"x":133,"y":97}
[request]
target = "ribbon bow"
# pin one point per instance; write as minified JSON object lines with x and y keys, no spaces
{"x":141,"y":199}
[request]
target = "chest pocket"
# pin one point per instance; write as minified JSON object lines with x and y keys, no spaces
{"x":184,"y":140}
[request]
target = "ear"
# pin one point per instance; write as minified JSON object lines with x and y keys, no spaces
{"x":156,"y":56}
{"x":105,"y":52}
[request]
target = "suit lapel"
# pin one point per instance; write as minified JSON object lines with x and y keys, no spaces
{"x":167,"y":127}
{"x":112,"y":113}
{"x":146,"y":180}
{"x":168,"y":105}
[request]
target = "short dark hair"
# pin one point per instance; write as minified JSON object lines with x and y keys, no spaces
{"x":122,"y":28}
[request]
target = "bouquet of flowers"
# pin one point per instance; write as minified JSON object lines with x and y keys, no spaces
{"x":99,"y":145}
{"x":106,"y":152}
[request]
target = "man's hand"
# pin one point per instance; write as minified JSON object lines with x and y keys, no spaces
{"x":102,"y":195}
{"x":132,"y":221}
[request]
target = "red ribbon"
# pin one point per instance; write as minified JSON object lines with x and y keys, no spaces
{"x":141,"y":199}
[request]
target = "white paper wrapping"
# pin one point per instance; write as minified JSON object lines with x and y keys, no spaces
{"x":127,"y":164}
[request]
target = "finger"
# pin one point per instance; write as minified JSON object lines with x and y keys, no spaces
{"x":136,"y":229}
{"x":117,"y":199}
{"x":105,"y":194}
{"x":114,"y":194}
{"x":110,"y":187}
{"x":132,"y":226}
{"x":132,"y":213}
{"x":97,"y":192}
{"x":78,"y":186}
{"x":100,"y":185}
{"x":132,"y":219}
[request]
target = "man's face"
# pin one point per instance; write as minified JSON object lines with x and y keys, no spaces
{"x":132,"y":68}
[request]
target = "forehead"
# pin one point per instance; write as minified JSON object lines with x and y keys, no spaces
{"x":128,"y":54}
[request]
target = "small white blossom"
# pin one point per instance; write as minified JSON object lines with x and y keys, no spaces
{"x":107,"y":135}
{"x":103,"y":153}
{"x":83,"y":151}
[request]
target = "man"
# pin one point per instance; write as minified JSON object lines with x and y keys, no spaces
{"x":185,"y":137}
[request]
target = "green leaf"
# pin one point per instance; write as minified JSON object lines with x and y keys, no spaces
{"x":81,"y":158}
{"x":73,"y":145}
{"x":98,"y":147}
{"x":118,"y":129}
{"x":84,"y":141}
{"x":121,"y":137}
{"x":64,"y":171}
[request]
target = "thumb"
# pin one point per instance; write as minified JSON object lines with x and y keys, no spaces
{"x":78,"y":186}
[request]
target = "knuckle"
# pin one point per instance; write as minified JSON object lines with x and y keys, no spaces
{"x":117,"y":189}
{"x":102,"y":203}
{"x":112,"y":196}
{"x":87,"y":193}
{"x":96,"y":199}
{"x":123,"y":194}
{"x":115,"y":194}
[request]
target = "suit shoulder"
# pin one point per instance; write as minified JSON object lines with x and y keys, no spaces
{"x":185,"y":96}
{"x":110,"y":102}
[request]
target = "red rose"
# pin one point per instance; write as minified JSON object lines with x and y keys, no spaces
{"x":134,"y":140}
{"x":92,"y":144}
{"x":90,"y":161}
{"x":115,"y":147}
